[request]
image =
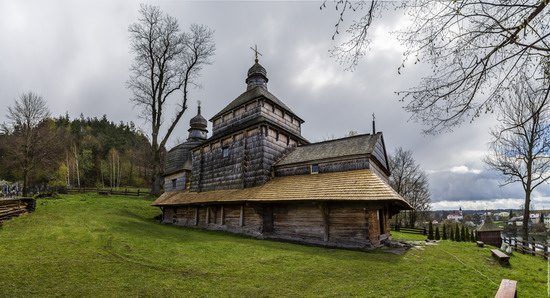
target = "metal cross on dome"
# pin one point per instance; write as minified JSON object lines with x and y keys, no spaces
{"x":255,"y":49}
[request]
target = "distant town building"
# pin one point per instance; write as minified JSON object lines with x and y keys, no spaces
{"x":516,"y":221}
{"x":456,"y":216}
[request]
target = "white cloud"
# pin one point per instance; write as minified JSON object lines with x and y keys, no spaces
{"x":464,"y":170}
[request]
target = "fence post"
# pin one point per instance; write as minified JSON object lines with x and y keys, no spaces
{"x":138,"y":192}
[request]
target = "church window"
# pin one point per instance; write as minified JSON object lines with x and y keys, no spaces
{"x":314,"y":169}
{"x":225,"y":151}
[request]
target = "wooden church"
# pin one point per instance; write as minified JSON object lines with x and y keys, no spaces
{"x":257,"y":175}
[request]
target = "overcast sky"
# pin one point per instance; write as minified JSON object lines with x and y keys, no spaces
{"x":76,"y":55}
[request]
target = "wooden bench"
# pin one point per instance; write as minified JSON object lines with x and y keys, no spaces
{"x":503,"y":258}
{"x":479,"y":243}
{"x":507,"y":289}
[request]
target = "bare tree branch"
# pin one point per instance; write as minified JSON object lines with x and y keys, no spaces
{"x":475,"y":49}
{"x":520,"y":149}
{"x":166,"y":61}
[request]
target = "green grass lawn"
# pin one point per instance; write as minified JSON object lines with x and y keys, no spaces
{"x":85,"y":245}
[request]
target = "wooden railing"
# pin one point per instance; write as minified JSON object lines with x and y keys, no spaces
{"x":398,"y":228}
{"x":536,"y":248}
{"x":107,"y":191}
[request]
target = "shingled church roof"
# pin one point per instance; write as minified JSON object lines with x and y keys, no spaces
{"x":359,"y":185}
{"x":351,"y":146}
{"x":251,"y":95}
{"x":179,"y":157}
{"x":489,"y":226}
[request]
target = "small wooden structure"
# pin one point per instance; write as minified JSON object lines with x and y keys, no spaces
{"x":489,"y":233}
{"x":502,"y":258}
{"x":507,"y":289}
{"x":480,"y":243}
{"x":14,"y":207}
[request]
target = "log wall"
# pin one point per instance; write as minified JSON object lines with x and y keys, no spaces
{"x":253,"y":109}
{"x":335,"y":224}
{"x":326,"y":167}
{"x":242,"y":160}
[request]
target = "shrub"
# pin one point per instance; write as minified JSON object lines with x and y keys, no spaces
{"x":431,"y":231}
{"x":444,"y":232}
{"x":437,"y":236}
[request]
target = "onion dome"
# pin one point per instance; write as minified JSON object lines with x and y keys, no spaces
{"x":198,"y":126}
{"x":257,"y":76}
{"x":198,"y":121}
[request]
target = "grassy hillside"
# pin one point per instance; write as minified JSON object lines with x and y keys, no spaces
{"x":84,"y":245}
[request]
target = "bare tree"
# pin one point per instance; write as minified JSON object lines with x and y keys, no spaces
{"x":33,"y":139}
{"x":166,"y":60}
{"x":475,"y":48}
{"x":520,"y":149}
{"x":411,"y":182}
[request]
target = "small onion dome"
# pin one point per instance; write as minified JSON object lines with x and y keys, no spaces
{"x":257,"y":76}
{"x":198,"y":121}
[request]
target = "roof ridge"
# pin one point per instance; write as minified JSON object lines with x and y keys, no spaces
{"x":342,"y":138}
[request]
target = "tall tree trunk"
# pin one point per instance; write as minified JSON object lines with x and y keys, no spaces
{"x":77,"y":166}
{"x":68,"y":170}
{"x":412,"y":218}
{"x":156,"y":179}
{"x":526,"y":213}
{"x":25,"y":181}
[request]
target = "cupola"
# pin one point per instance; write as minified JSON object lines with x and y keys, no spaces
{"x":197,"y":126}
{"x":257,"y":75}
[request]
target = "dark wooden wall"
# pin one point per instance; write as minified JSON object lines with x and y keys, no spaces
{"x":250,"y":157}
{"x":325,"y":167}
{"x":338,"y":224}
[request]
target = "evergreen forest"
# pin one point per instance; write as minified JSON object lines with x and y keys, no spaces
{"x":81,"y":152}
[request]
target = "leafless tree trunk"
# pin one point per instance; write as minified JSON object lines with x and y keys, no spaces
{"x":520,"y":149}
{"x":68,"y":170}
{"x":77,"y":167}
{"x":475,"y":48}
{"x":34,"y":137}
{"x":166,"y":60}
{"x":408,"y":180}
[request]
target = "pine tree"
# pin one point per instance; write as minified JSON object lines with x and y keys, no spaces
{"x":457,"y":234}
{"x":463,"y":234}
{"x":467,"y":239}
{"x":444,"y":232}
{"x":472,"y":236}
{"x":437,"y":236}
{"x":430,"y":231}
{"x":451,"y":234}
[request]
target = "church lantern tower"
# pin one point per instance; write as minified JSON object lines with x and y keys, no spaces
{"x":197,"y":127}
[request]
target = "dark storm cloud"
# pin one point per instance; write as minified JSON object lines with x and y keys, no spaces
{"x":470,"y":186}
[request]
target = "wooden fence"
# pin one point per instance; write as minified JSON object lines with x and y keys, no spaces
{"x":535,"y":248}
{"x":398,"y":228}
{"x":104,"y":191}
{"x":14,"y":207}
